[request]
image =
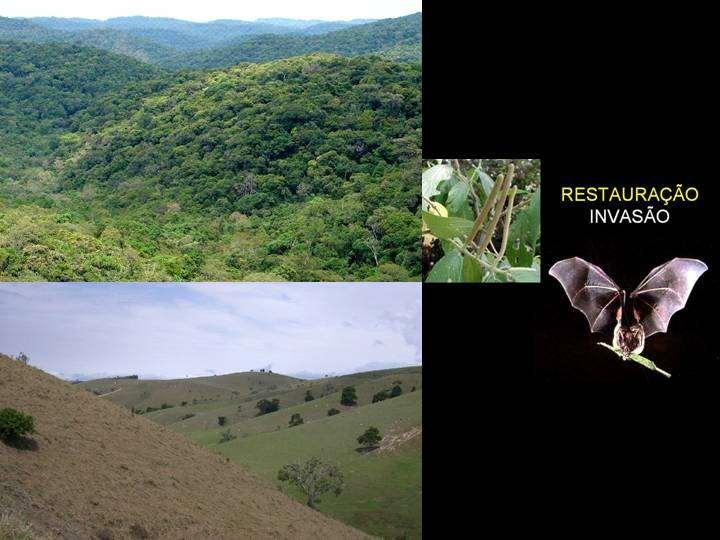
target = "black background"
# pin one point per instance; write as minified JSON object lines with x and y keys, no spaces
{"x":520,"y":405}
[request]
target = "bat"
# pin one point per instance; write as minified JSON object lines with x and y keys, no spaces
{"x":637,"y":315}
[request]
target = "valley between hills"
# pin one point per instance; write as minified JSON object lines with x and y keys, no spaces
{"x":145,"y":149}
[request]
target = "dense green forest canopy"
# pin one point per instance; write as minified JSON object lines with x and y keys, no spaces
{"x":183,"y":44}
{"x":44,"y":86}
{"x":300,"y":169}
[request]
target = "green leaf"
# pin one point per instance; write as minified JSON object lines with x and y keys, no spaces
{"x":447,"y":228}
{"x":486,"y":182}
{"x":495,"y":277}
{"x":636,"y":358}
{"x":431,"y":178}
{"x":457,"y":201}
{"x":472,"y":271}
{"x":449,"y":269}
{"x":524,"y":233}
{"x":525,"y":275}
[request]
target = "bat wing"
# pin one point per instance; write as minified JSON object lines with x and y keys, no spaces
{"x":590,"y":290}
{"x":664,"y":291}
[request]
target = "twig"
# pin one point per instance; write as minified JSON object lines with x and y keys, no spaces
{"x":486,"y":208}
{"x":506,"y":229}
{"x":464,"y":250}
{"x":431,"y":203}
{"x":487,"y":235}
{"x":492,"y":247}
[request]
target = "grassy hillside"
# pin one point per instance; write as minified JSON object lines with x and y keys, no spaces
{"x":371,"y":38}
{"x":241,"y":406}
{"x":94,"y":470}
{"x":210,"y":397}
{"x":143,"y":393}
{"x":383,"y":490}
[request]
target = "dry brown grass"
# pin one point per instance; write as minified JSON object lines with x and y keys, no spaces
{"x":15,"y":527}
{"x":99,"y":472}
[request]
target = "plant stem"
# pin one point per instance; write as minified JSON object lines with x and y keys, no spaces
{"x":506,"y":229}
{"x":487,"y":234}
{"x":461,"y":247}
{"x":486,"y":208}
{"x":662,"y":371}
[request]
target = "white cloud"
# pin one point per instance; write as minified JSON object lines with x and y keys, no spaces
{"x":175,"y":330}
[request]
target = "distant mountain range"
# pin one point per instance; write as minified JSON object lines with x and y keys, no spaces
{"x":179,"y":44}
{"x":373,"y":38}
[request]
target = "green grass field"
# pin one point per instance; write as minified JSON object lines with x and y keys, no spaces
{"x":383,"y":488}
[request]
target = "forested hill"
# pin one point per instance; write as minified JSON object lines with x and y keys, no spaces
{"x":300,"y":127}
{"x":107,"y":39}
{"x":300,"y":169}
{"x":45,"y":86}
{"x":26,"y":30}
{"x":372,"y":38}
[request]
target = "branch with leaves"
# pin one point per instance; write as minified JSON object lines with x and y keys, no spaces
{"x":466,"y":214}
{"x":636,"y":358}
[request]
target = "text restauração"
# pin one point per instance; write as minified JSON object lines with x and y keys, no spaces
{"x":660,"y":196}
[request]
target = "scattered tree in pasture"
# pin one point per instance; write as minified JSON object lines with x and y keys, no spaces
{"x":370,"y":439}
{"x":227,"y":436}
{"x":266,"y":406}
{"x":314,"y":477}
{"x":349,"y":396}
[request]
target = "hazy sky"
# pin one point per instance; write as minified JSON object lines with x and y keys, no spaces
{"x":174,"y":330}
{"x":212,"y":9}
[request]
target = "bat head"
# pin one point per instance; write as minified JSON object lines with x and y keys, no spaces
{"x":628,"y":338}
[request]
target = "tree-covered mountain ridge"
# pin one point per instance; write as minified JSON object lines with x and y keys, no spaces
{"x":299,"y":169}
{"x":181,"y":44}
{"x":380,"y":37}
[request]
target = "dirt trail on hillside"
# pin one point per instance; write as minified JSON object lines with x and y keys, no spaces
{"x":100,"y":472}
{"x":393,"y":440}
{"x":109,"y":393}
